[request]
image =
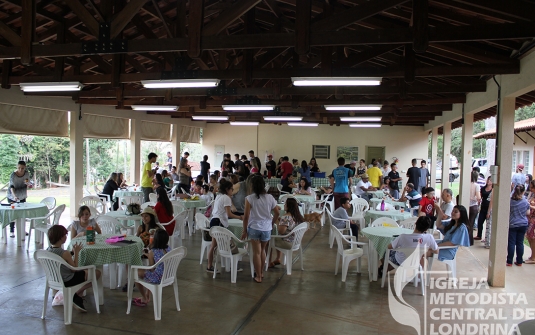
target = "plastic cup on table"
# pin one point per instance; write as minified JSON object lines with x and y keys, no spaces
{"x":13,"y":206}
{"x":402,"y":209}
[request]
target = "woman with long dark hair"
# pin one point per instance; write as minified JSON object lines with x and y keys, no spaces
{"x":304,"y":171}
{"x":455,"y":233}
{"x":110,"y":187}
{"x":164,"y":210}
{"x":484,"y":213}
{"x":518,"y":224}
{"x":287,"y":222}
{"x":475,"y":199}
{"x":257,"y":222}
{"x":313,"y":165}
{"x":304,"y":187}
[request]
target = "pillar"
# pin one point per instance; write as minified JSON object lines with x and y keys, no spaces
{"x":433,"y":166}
{"x":466,"y":159}
{"x":446,"y":154}
{"x":76,"y":162}
{"x":175,"y":145}
{"x":135,"y":151}
{"x":501,"y":193}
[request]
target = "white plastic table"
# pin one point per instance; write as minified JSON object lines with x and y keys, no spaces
{"x":189,"y":205}
{"x":306,"y":200}
{"x":124,"y":218}
{"x":375,"y":201}
{"x":398,"y":216}
{"x":120,"y":194}
{"x":380,"y":238}
{"x":19,"y":214}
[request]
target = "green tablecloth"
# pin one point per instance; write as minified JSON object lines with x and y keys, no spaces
{"x":21,"y":211}
{"x":190,"y":203}
{"x":375,"y":201}
{"x":372,"y":215}
{"x":320,"y":182}
{"x":102,"y":253}
{"x":273,"y":182}
{"x":380,"y":237}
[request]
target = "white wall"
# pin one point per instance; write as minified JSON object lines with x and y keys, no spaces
{"x":530,"y":147}
{"x":404,"y":143}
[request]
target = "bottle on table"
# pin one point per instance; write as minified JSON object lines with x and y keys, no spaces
{"x":90,"y":235}
{"x":383,"y":205}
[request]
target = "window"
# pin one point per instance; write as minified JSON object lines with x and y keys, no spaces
{"x":321,"y":151}
{"x":521,"y":157}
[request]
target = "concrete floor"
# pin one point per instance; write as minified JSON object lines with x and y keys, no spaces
{"x":313,"y":301}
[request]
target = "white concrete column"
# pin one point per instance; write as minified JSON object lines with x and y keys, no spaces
{"x":466,"y":159}
{"x":433,"y":166}
{"x":501,"y":194}
{"x":175,"y":145}
{"x":135,"y":150}
{"x":76,"y":162}
{"x":446,"y":153}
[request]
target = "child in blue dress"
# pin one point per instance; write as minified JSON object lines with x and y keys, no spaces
{"x":159,"y":249}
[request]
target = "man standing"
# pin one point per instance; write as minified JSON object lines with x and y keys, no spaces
{"x":341,"y":182}
{"x":394,"y":179}
{"x":352,"y":168}
{"x":271,"y":166}
{"x":146,"y":176}
{"x":174,"y":175}
{"x":286,"y":170}
{"x":518,"y":178}
{"x":423,"y":182}
{"x":251,"y":156}
{"x":237,"y":161}
{"x":413,"y":173}
{"x":169,"y":161}
{"x":375,"y":175}
{"x":445,"y":208}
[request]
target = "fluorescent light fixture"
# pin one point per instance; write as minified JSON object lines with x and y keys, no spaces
{"x":180,"y":83}
{"x":360,"y":118}
{"x":155,"y":108}
{"x":210,"y":118}
{"x":248,"y":107}
{"x":244,"y":123}
{"x":302,"y":124}
{"x":283,"y":118}
{"x":353,"y":107}
{"x":51,"y":86}
{"x":365,"y":125}
{"x":335,"y":81}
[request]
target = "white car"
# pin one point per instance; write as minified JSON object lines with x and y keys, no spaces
{"x":454,"y":169}
{"x":483,"y":165}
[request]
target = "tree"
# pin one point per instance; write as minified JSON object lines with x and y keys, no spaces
{"x":8,"y":156}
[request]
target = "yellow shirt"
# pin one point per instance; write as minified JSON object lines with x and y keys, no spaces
{"x":146,"y":181}
{"x":375,"y":176}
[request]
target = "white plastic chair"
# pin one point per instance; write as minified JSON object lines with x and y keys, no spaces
{"x":97,"y":190}
{"x":145,"y":205}
{"x":298,"y":233}
{"x":328,"y":202}
{"x":360,"y":206}
{"x":179,"y":219}
{"x":283,"y":198}
{"x":41,"y":225}
{"x":172,"y":191}
{"x":348,"y":255}
{"x":267,"y":187}
{"x":202,"y":223}
{"x":95,"y":202}
{"x":223,"y":237}
{"x":50,"y":202}
{"x":347,"y":228}
{"x":319,"y":206}
{"x":133,"y":199}
{"x":451,"y":265}
{"x":409,"y":223}
{"x":279,"y":187}
{"x":52,"y":263}
{"x":384,"y":222}
{"x":107,"y":224}
{"x":410,"y":267}
{"x":170,"y":262}
{"x":153,"y":197}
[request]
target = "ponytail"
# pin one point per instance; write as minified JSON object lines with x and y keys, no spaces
{"x":518,"y":192}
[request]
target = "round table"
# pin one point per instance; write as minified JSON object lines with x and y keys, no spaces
{"x":124,"y":218}
{"x":380,"y":238}
{"x":188,"y":205}
{"x":372,"y":215}
{"x":120,"y":194}
{"x":306,"y":200}
{"x":102,"y":253}
{"x":375,"y":201}
{"x":19,"y":214}
{"x":377,"y":194}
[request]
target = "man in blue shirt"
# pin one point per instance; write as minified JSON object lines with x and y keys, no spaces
{"x":341,"y":181}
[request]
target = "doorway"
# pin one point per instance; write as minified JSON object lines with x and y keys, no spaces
{"x":218,"y":157}
{"x":374,"y":152}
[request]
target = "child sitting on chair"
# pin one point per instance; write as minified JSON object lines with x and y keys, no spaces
{"x":57,"y":235}
{"x":159,"y":249}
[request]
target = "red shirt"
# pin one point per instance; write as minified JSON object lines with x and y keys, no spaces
{"x":163,"y":217}
{"x":288,"y":169}
{"x":428,"y":205}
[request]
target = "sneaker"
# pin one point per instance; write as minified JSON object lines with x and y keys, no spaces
{"x":78,"y":303}
{"x":239,"y":270}
{"x":518,"y":264}
{"x":508,"y":264}
{"x":211,"y":270}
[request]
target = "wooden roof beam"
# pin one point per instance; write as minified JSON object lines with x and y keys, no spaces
{"x":84,"y":15}
{"x":228,"y":16}
{"x":125,"y":16}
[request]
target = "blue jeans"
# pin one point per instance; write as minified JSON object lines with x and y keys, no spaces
{"x":394,"y":194}
{"x":516,"y":241}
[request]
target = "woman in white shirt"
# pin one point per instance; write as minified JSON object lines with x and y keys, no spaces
{"x":258,"y":223}
{"x":220,"y":214}
{"x":304,"y":187}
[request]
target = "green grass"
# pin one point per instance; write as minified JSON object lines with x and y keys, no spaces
{"x":453,"y":186}
{"x":61,"y":200}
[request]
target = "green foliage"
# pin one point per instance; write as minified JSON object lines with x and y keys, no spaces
{"x":49,"y":157}
{"x":8,"y":156}
{"x":105,"y":156}
{"x":523,"y":113}
{"x":478,"y":147}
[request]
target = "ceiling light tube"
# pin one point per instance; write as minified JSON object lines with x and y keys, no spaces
{"x":155,"y":108}
{"x":248,"y":107}
{"x":353,"y":107}
{"x":336,"y":81}
{"x":209,"y":118}
{"x":51,"y":86}
{"x":244,"y":123}
{"x":302,"y":124}
{"x":180,"y":83}
{"x":365,"y":125}
{"x":360,"y":118}
{"x":283,"y":118}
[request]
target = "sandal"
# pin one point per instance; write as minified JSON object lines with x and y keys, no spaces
{"x":273,"y":264}
{"x":138,"y":302}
